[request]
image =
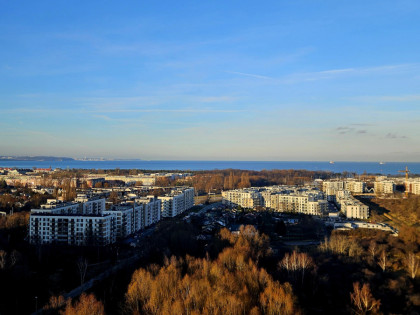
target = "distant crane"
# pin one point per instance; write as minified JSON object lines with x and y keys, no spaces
{"x":406,"y":171}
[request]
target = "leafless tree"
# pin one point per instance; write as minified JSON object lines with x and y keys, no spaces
{"x":305,"y":262}
{"x":355,"y":250}
{"x":382,"y":260}
{"x":373,"y":249}
{"x":412,"y":263}
{"x":82,"y":264}
{"x":14,"y":257}
{"x":3,"y":256}
{"x":363,"y":300}
{"x":295,"y":262}
{"x":285,"y":262}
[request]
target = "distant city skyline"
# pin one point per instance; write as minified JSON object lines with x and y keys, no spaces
{"x":188,"y":80}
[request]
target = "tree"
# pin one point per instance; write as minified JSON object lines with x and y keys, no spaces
{"x":363,"y":300}
{"x":412,"y":264}
{"x":296,"y":262}
{"x":382,"y":260}
{"x":98,"y":185}
{"x":82,"y":265}
{"x":3,"y":256}
{"x":55,"y":302}
{"x":372,"y":249}
{"x":87,"y":305}
{"x":113,"y":197}
{"x":305,"y":262}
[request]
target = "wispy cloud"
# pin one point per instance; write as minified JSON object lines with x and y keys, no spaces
{"x":215,"y":99}
{"x":257,"y":76}
{"x":389,"y":98}
{"x":344,"y":72}
{"x":394,"y":136}
{"x":342,"y":130}
{"x":340,"y":73}
{"x":125,"y":110}
{"x":162,"y":110}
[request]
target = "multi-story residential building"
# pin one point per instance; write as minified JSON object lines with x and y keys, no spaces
{"x":384,"y":186}
{"x":126,"y":219}
{"x":151,"y":211}
{"x":280,"y":198}
{"x":331,"y":187}
{"x":413,"y":186}
{"x":246,"y":198}
{"x":355,"y":186}
{"x":350,"y":206}
{"x":86,"y":222}
{"x":177,"y":201}
{"x":71,"y":223}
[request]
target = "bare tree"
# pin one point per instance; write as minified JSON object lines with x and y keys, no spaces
{"x":14,"y":257}
{"x":354,"y":249}
{"x":305,"y":262}
{"x":382,"y":260}
{"x":285,"y":263}
{"x":295,"y":262}
{"x":82,"y":264}
{"x":372,"y":249}
{"x":412,"y":263}
{"x":363,"y":300}
{"x":3,"y":256}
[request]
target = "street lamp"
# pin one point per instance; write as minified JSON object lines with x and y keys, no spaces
{"x":36,"y":304}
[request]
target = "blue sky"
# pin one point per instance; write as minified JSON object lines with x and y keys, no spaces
{"x":211,"y":80}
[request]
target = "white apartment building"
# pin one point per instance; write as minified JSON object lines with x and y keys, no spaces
{"x":176,"y":202}
{"x":126,"y":219}
{"x":246,"y":198}
{"x":280,"y":198}
{"x":151,"y":211}
{"x":413,"y":186}
{"x":350,"y":206}
{"x":71,"y":223}
{"x":384,"y":187}
{"x":355,"y":186}
{"x":331,"y":187}
{"x":86,"y":222}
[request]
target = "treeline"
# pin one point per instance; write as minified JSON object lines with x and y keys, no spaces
{"x":232,"y":283}
{"x":16,"y":220}
{"x":218,"y":180}
{"x":360,"y":271}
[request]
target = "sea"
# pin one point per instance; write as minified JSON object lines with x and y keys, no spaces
{"x":388,"y":168}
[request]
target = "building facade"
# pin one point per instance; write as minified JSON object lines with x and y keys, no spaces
{"x":86,"y":221}
{"x":176,"y":202}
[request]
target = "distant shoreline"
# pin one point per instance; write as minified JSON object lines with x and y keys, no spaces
{"x":390,"y":168}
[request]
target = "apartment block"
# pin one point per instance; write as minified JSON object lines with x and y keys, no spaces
{"x":279,"y":198}
{"x":151,"y":212}
{"x":85,"y":221}
{"x":176,"y":202}
{"x":384,"y":186}
{"x":350,"y":206}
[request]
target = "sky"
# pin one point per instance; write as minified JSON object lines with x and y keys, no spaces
{"x":211,"y":80}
